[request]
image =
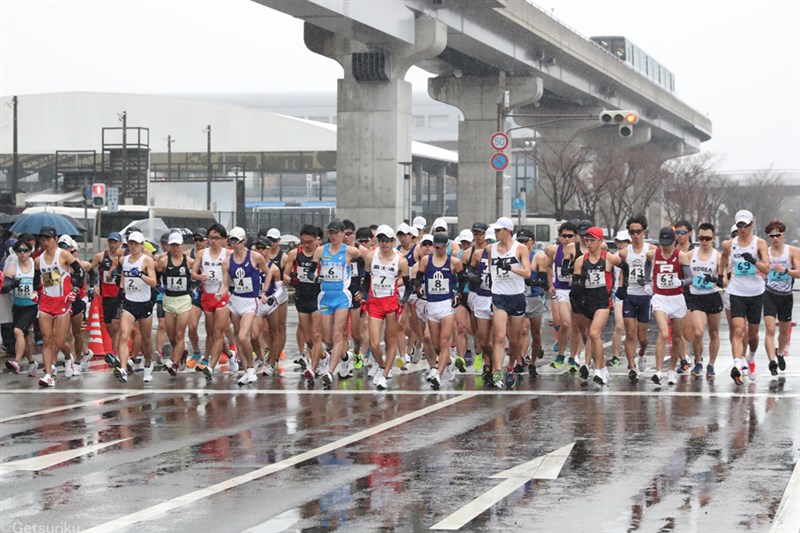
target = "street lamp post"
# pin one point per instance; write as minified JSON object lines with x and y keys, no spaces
{"x":170,"y":140}
{"x":208,"y":177}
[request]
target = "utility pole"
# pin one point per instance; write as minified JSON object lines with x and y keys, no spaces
{"x":208,"y":178}
{"x":501,"y":118}
{"x":15,"y":161}
{"x":170,"y":140}
{"x":124,"y":118}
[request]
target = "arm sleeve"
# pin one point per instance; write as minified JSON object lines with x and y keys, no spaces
{"x":687,"y":275}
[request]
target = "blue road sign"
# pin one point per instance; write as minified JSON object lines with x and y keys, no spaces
{"x":499,"y":161}
{"x":518,"y":203}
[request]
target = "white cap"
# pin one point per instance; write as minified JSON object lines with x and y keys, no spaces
{"x":465,"y":235}
{"x":414,"y":231}
{"x":65,"y":238}
{"x":404,"y":228}
{"x":175,"y":238}
{"x":419,"y":223}
{"x":503,"y":223}
{"x":623,"y":235}
{"x":73,"y":243}
{"x":490,"y":236}
{"x":743,"y":216}
{"x":237,"y":233}
{"x":274,"y":234}
{"x":385,"y":230}
{"x":439,"y":223}
{"x":734,"y":228}
{"x":136,"y":236}
{"x":426,"y":237}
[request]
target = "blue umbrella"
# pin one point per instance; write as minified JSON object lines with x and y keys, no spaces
{"x":34,"y":222}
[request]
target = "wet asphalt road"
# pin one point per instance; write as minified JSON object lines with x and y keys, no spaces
{"x":183,"y":455}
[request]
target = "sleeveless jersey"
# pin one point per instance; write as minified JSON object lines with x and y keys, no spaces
{"x":213,"y":269}
{"x":560,"y":282}
{"x":55,"y":280}
{"x":636,"y":267}
{"x":177,"y":279}
{"x":136,"y":290}
{"x":439,"y":281}
{"x":596,"y":275}
{"x":24,"y":291}
{"x":384,"y":276}
{"x":245,"y":278}
{"x":667,"y":274}
{"x":780,"y":282}
{"x":409,"y":255}
{"x":506,"y":282}
{"x":745,"y":279}
{"x":277,"y":260}
{"x":534,"y":291}
{"x":108,"y":288}
{"x":273,"y":284}
{"x":306,"y":289}
{"x":699,"y":269}
{"x":483,"y":270}
{"x":334,"y":270}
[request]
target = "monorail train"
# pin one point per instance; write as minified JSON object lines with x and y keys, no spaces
{"x":627,"y":52}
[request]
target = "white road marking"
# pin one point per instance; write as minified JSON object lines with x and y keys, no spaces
{"x":65,"y":407}
{"x":787,"y":518}
{"x":46,"y":461}
{"x":545,"y":467}
{"x":165,"y":507}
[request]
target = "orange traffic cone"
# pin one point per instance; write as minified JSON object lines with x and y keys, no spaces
{"x":99,"y":340}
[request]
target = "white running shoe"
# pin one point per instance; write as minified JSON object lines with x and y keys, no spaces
{"x":431,"y":374}
{"x":381,"y":384}
{"x":85,"y":360}
{"x":252,"y":377}
{"x":599,"y":378}
{"x":672,"y":377}
{"x":138,"y":364}
{"x":68,"y":367}
{"x":642,"y":363}
{"x":372,"y":370}
{"x":243,"y":380}
{"x":33,"y":369}
{"x":47,"y":381}
{"x":148,"y":373}
{"x":233,"y":366}
{"x":344,"y":370}
{"x":267,"y":370}
{"x":53,"y":369}
{"x":450,"y":372}
{"x":76,"y":369}
{"x":377,"y":378}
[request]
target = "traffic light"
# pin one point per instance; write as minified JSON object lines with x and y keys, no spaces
{"x":98,"y":195}
{"x":623,"y":118}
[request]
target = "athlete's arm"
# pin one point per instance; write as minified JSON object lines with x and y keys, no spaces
{"x":197,"y":273}
{"x":149,"y":271}
{"x":763,"y":263}
{"x":524,"y":268}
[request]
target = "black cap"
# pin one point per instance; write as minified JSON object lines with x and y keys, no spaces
{"x":584,"y":225}
{"x":48,"y":231}
{"x":200,"y":232}
{"x":440,"y":238}
{"x":131,"y":230}
{"x":666,"y":236}
{"x":525,"y":235}
{"x":165,"y":236}
{"x":480,"y":226}
{"x":336,"y":225}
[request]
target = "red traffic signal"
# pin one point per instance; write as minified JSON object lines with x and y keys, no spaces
{"x":625,"y":119}
{"x":98,"y":194}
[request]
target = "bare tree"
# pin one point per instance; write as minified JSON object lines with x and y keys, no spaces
{"x":762,"y":193}
{"x":560,"y":165}
{"x":692,"y":188}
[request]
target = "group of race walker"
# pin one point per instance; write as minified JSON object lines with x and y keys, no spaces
{"x":477,"y":300}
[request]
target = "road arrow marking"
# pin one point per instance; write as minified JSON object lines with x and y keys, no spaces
{"x":544,"y":467}
{"x":46,"y":461}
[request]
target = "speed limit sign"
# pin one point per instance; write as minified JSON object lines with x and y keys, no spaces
{"x":499,"y":141}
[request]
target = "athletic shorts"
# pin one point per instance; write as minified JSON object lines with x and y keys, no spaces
{"x":177,"y":305}
{"x":353,"y":303}
{"x":330,"y":302}
{"x":534,"y":306}
{"x":594,"y":300}
{"x":562,"y":295}
{"x":380,"y":307}
{"x":688,"y":296}
{"x":512,"y":304}
{"x":726,"y":300}
{"x":748,"y":307}
{"x":54,"y":305}
{"x":78,"y":307}
{"x":243,"y":305}
{"x":438,"y":311}
{"x":196,"y":295}
{"x":674,"y":306}
{"x":481,"y":306}
{"x":139,"y":310}
{"x":710,"y":303}
{"x":209,"y":302}
{"x":421,"y":308}
{"x":778,"y":305}
{"x":638,"y":307}
{"x":281,"y":295}
{"x":112,"y":306}
{"x":266,"y":309}
{"x":24,"y":316}
{"x":306,"y":305}
{"x":577,"y":301}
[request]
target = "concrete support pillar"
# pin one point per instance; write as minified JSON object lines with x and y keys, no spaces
{"x":373,"y":122}
{"x":477,"y":98}
{"x":441,"y":177}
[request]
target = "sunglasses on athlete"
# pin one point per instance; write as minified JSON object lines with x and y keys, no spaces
{"x":681,"y":232}
{"x":704,"y":238}
{"x":775,"y":235}
{"x":743,"y":225}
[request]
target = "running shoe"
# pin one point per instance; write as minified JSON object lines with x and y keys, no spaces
{"x":85,"y":359}
{"x":555,"y":347}
{"x":309,"y":375}
{"x":633,"y":375}
{"x":193,"y":360}
{"x":532,"y":370}
{"x":121,"y":374}
{"x":233,"y":366}
{"x":599,"y":378}
{"x":736,"y":374}
{"x":710,"y":374}
{"x":267,"y":370}
{"x":346,"y":355}
{"x":33,"y":369}
{"x":642,"y":364}
{"x":656,"y":378}
{"x":251,"y":375}
{"x":558,"y":362}
{"x":207,"y":371}
{"x":327,"y":379}
{"x":497,"y":379}
{"x":518,"y":369}
{"x":511,"y":378}
{"x":243,"y":380}
{"x":541,"y":354}
{"x":112,"y":360}
{"x":697,"y":370}
{"x":573,"y":365}
{"x":431,"y":373}
{"x":613,"y":362}
{"x":344,"y":370}
{"x":773,"y":368}
{"x":672,"y":377}
{"x":461,"y":364}
{"x":751,"y":366}
{"x":203,"y":363}
{"x":13,"y":365}
{"x":468,"y":357}
{"x":781,"y":363}
{"x":358,"y":361}
{"x":584,"y":371}
{"x":69,"y":367}
{"x":477,"y":364}
{"x":47,"y":381}
{"x":435,"y":383}
{"x":486,"y":373}
{"x":450,"y":372}
{"x":381,"y":383}
{"x":683,"y":366}
{"x":171,"y":367}
{"x":400,"y":362}
{"x":148,"y":373}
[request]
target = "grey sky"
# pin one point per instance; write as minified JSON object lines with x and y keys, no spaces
{"x":738,"y":61}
